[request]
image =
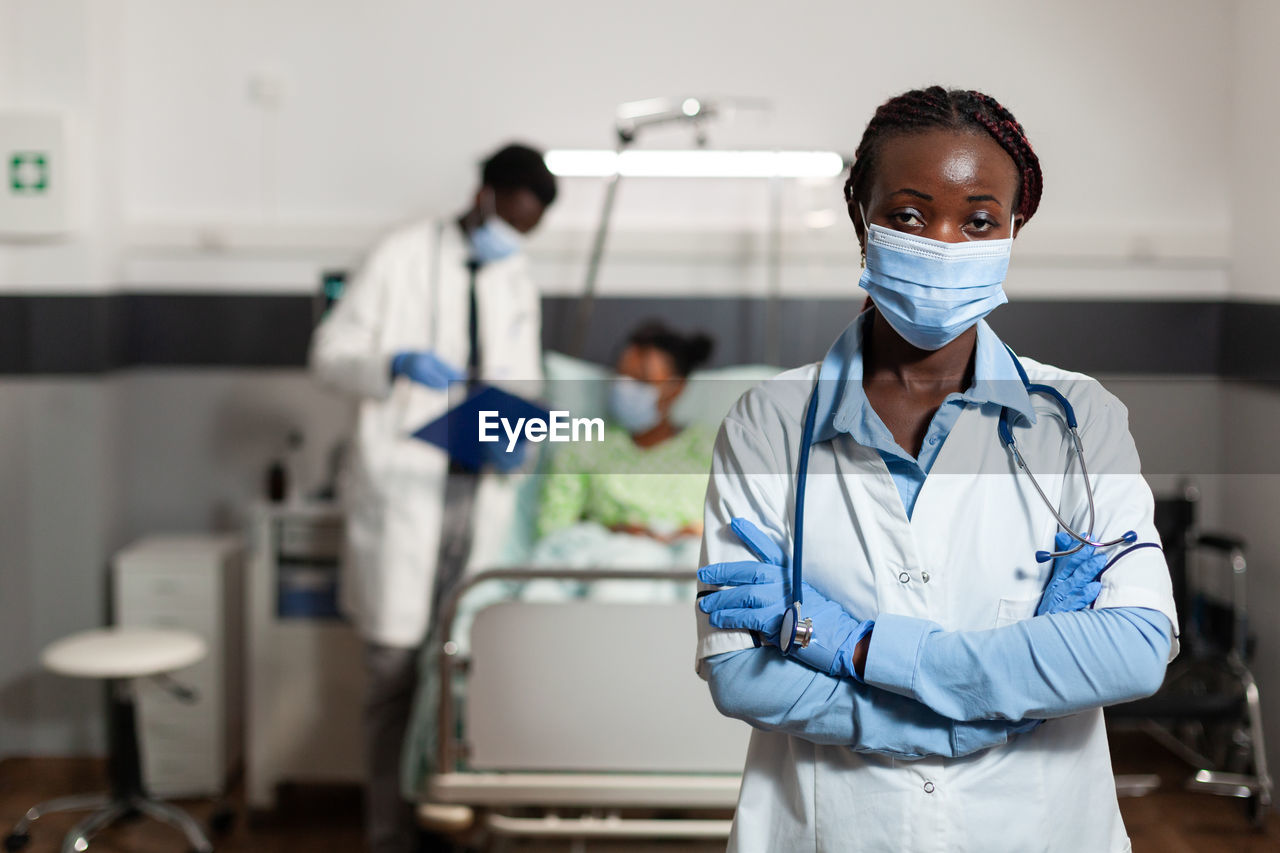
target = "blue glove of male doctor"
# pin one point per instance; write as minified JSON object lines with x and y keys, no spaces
{"x":759,"y":594}
{"x":425,"y":368}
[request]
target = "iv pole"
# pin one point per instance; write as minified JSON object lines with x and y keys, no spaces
{"x":632,"y":118}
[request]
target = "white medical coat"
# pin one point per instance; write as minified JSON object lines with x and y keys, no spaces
{"x":412,"y":294}
{"x":965,"y":561}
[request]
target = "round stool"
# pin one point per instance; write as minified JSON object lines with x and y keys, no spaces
{"x":118,"y":656}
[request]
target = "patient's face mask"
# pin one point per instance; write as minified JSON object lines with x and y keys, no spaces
{"x":495,"y":238}
{"x":930,"y":291}
{"x":634,"y":404}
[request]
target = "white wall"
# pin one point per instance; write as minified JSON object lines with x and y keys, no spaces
{"x":59,"y":55}
{"x":1255,"y":129}
{"x":58,"y":524}
{"x":385,"y":107}
{"x":88,"y":465}
{"x":197,"y":460}
{"x":1251,"y":411}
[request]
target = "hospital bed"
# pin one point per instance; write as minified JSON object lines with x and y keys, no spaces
{"x":561,"y":701}
{"x":584,"y":708}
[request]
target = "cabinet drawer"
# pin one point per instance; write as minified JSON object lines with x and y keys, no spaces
{"x":143,"y":613}
{"x":164,"y":713}
{"x":167,"y":590}
{"x":172,"y":772}
{"x":181,"y":737}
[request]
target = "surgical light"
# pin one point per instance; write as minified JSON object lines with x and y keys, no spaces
{"x":695,"y":164}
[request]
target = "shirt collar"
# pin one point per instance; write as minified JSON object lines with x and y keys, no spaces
{"x":842,"y":404}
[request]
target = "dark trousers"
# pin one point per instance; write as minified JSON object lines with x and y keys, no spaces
{"x":390,"y":825}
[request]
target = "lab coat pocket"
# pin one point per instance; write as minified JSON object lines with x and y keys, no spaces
{"x":1015,"y":610}
{"x":864,"y":801}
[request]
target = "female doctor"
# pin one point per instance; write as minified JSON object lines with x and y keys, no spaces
{"x":950,"y":695}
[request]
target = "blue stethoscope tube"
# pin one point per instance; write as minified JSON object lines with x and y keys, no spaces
{"x":1006,"y":438}
{"x":797,"y":631}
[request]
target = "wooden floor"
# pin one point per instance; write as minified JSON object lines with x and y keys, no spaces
{"x":328,"y":820}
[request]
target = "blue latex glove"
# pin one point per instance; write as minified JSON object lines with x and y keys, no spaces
{"x":1074,"y":584}
{"x":425,"y":368}
{"x":496,"y":454}
{"x":758,"y":597}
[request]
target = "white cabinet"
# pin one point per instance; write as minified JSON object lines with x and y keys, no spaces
{"x":306,"y":674}
{"x":193,"y":582}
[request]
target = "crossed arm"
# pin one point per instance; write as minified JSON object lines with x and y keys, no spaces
{"x":925,"y":691}
{"x":950,"y":693}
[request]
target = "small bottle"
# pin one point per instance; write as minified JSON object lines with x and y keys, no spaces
{"x":277,"y":482}
{"x":293,"y":466}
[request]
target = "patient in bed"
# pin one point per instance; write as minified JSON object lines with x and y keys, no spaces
{"x":634,"y":499}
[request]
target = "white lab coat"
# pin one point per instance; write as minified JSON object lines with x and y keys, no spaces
{"x":965,"y":561}
{"x":412,"y":294}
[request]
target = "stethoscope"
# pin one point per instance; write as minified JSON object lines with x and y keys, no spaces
{"x":797,"y":631}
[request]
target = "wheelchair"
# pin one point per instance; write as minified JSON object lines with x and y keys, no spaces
{"x":1207,"y":711}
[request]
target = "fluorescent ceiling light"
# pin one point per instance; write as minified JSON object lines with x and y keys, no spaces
{"x":695,"y":164}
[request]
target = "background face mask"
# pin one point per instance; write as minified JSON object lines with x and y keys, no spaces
{"x":634,"y":404}
{"x":930,"y":291}
{"x":495,"y":238}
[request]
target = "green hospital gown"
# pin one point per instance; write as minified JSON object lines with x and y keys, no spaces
{"x":615,"y":482}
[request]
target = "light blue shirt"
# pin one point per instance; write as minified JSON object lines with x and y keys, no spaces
{"x":996,"y":382}
{"x":929,"y":691}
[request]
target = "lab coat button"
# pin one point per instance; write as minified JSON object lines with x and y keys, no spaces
{"x":924,"y":576}
{"x":928,"y":787}
{"x":904,"y":577}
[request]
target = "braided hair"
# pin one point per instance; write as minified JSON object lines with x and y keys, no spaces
{"x":950,"y":109}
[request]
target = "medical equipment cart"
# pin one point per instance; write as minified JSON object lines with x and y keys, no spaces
{"x":306,"y":676}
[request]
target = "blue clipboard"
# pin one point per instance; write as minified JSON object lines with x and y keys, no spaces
{"x":457,"y":431}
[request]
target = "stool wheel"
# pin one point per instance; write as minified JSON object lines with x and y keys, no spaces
{"x":16,"y":840}
{"x":1255,"y":812}
{"x":222,"y":820}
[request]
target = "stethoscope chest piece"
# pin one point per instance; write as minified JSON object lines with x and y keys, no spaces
{"x":795,"y":632}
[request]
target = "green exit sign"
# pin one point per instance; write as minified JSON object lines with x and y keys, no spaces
{"x":29,"y":172}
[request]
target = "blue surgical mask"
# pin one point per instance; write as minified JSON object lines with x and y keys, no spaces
{"x":495,"y":238}
{"x":634,"y":404}
{"x":930,"y":291}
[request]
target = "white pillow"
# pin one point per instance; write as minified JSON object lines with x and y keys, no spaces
{"x":575,"y":385}
{"x":582,"y":388}
{"x":711,"y":393}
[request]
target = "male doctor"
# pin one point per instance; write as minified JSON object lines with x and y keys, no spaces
{"x":435,"y":302}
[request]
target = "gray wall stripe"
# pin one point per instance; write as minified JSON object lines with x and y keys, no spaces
{"x":50,"y":335}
